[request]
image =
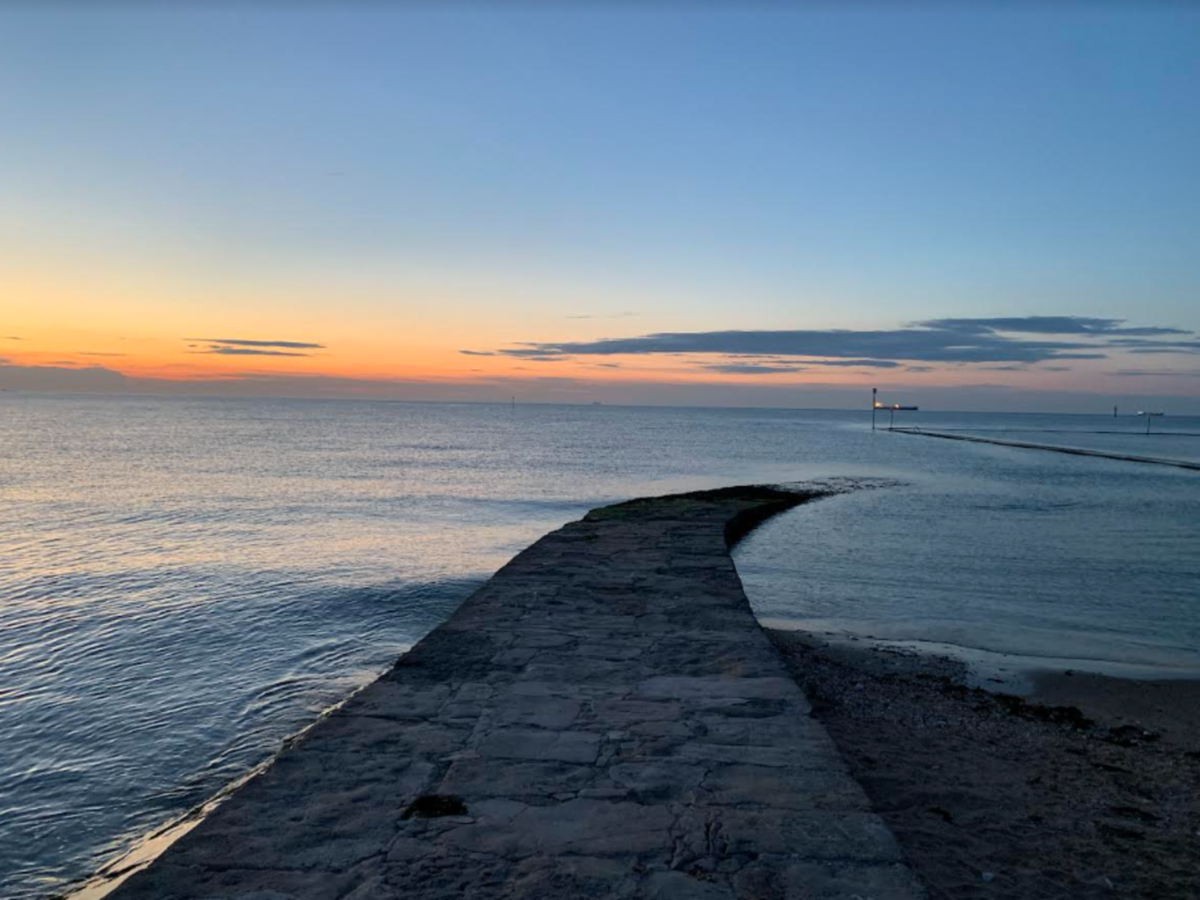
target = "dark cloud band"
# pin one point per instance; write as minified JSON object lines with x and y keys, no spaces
{"x":989,"y":340}
{"x":876,"y":346}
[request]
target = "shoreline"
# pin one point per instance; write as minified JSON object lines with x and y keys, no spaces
{"x":1088,"y":787}
{"x":993,"y":670}
{"x":1168,"y":707}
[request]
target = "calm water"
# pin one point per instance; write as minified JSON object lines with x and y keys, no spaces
{"x":184,"y":582}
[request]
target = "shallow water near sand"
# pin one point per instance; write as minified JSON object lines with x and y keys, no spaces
{"x":186,"y":581}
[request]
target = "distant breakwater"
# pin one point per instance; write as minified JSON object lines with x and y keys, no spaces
{"x":1073,"y":451}
{"x":603,"y":718}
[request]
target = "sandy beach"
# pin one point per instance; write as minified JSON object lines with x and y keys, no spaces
{"x":1088,"y":788}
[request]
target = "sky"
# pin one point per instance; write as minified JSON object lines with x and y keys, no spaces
{"x":967,"y":206}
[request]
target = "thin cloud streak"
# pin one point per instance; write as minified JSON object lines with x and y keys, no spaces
{"x":245,"y":342}
{"x":753,"y":368}
{"x":533,"y":352}
{"x":1080,"y":325}
{"x":246,"y":351}
{"x":1141,"y":346}
{"x":252,"y":347}
{"x":1153,"y":373}
{"x":856,"y":363}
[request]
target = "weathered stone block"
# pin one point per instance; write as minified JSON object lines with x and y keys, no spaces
{"x":716,"y":687}
{"x":566,"y":746}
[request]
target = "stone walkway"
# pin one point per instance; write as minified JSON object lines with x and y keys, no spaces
{"x":603,"y":718}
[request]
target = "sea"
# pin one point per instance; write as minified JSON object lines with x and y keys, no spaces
{"x":184,"y":582}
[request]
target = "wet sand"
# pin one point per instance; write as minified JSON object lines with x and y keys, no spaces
{"x":1088,"y":788}
{"x":1168,"y":707}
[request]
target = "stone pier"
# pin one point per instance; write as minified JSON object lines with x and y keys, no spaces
{"x":603,"y":718}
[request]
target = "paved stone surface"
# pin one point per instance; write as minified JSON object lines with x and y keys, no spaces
{"x":604,"y":718}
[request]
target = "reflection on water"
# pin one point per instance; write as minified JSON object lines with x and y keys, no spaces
{"x":183,"y":582}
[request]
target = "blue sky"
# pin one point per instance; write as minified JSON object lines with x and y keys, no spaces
{"x":497,"y":173}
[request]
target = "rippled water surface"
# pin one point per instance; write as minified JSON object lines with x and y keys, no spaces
{"x":184,"y":582}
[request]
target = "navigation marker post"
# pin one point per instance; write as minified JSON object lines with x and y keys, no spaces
{"x":1149,"y":415}
{"x":892,"y":408}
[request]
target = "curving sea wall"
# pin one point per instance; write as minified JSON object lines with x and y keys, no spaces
{"x":603,"y":718}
